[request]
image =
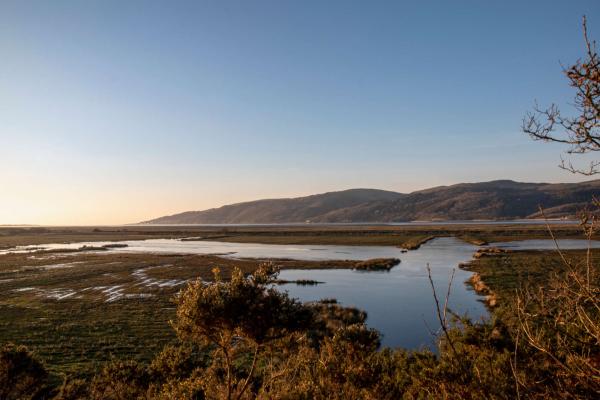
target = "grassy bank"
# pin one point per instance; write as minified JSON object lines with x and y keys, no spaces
{"x":503,"y":275}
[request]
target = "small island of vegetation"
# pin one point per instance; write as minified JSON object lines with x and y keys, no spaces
{"x":377,"y":264}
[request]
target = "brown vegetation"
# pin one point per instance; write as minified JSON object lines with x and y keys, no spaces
{"x":377,"y":264}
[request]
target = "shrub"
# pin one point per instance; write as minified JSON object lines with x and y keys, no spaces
{"x":21,"y":375}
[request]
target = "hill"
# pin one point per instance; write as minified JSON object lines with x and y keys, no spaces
{"x":499,"y":200}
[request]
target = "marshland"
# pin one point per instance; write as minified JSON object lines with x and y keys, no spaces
{"x":58,"y":282}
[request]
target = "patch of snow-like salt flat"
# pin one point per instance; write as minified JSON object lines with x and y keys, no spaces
{"x":115,"y":293}
{"x":24,"y":289}
{"x":145,"y":280}
{"x":110,"y":293}
{"x":58,"y":294}
{"x":60,"y":266}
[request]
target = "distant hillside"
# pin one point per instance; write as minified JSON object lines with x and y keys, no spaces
{"x":501,"y":200}
{"x":301,"y":209}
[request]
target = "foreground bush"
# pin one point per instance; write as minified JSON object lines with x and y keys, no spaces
{"x":21,"y":376}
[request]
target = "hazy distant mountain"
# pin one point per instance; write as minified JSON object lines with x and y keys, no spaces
{"x":501,"y":199}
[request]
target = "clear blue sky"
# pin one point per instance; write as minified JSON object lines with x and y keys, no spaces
{"x":120,"y":111}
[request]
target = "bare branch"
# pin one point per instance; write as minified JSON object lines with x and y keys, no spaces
{"x":580,"y":132}
{"x":441,"y":314}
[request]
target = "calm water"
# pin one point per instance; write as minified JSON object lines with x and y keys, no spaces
{"x":296,"y":252}
{"x":399,"y":303}
{"x":237,"y":250}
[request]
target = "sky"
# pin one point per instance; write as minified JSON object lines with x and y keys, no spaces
{"x":116,"y":112}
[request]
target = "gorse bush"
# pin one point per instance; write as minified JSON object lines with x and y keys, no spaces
{"x":21,"y":375}
{"x":234,"y":318}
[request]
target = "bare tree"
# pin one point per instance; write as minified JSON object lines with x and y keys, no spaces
{"x":582,"y":131}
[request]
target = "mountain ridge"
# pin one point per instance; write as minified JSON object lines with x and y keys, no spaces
{"x":499,"y":199}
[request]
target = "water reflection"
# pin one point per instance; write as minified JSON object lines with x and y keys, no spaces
{"x":399,"y":303}
{"x":236,"y":250}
